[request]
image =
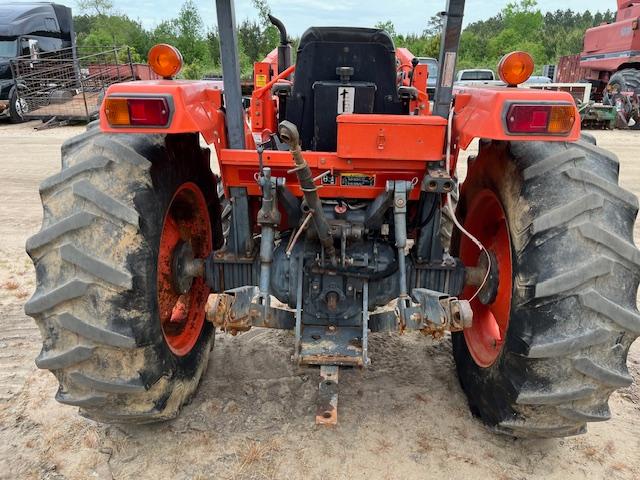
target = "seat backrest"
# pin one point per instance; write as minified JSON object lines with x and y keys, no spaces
{"x":371,"y":54}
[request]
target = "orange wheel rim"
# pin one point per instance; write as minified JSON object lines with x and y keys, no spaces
{"x":182,"y":315}
{"x":487,"y":222}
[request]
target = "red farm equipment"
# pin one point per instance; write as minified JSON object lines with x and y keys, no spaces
{"x":332,"y":217}
{"x":610,"y":61}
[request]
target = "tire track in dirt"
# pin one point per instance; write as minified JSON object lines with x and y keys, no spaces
{"x":19,"y":339}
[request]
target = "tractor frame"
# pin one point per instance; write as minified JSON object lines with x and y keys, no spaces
{"x":334,"y":216}
{"x":388,"y":161}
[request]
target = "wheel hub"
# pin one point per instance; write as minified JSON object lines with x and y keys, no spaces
{"x":489,"y":290}
{"x":185,"y":267}
{"x":491,"y":306}
{"x":182,"y":292}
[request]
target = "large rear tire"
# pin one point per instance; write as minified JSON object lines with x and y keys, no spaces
{"x":624,"y":81}
{"x":548,"y":349}
{"x":101,"y":258}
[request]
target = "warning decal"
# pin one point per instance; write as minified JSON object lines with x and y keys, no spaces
{"x":346,"y":99}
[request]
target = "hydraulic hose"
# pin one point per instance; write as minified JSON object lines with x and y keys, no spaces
{"x":289,"y":134}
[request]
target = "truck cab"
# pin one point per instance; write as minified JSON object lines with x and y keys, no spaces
{"x":476,"y":77}
{"x":28,"y":29}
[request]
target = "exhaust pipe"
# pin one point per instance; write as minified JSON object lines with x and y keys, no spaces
{"x":289,"y":135}
{"x":284,"y":49}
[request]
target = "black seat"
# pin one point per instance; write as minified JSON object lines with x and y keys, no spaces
{"x":371,"y":54}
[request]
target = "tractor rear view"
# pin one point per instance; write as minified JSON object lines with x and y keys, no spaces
{"x":335,"y":217}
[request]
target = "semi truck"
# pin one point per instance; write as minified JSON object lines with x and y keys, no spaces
{"x":28,"y":29}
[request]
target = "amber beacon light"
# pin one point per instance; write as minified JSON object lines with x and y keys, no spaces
{"x":165,"y":60}
{"x":515,"y":68}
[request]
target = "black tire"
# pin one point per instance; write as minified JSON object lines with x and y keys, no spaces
{"x":225,"y":211}
{"x":576,"y":270}
{"x":625,"y":80}
{"x":15,"y":112}
{"x":96,"y":260}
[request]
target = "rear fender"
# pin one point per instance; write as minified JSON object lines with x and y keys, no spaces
{"x":195,"y":107}
{"x":480,"y":112}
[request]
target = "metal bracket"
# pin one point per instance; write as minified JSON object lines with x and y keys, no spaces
{"x":436,"y":312}
{"x":298,"y":328}
{"x":239,"y":309}
{"x":327,"y":411}
{"x":449,"y":42}
{"x":231,"y":67}
{"x":240,"y":241}
{"x":365,"y":324}
{"x":437,"y":180}
{"x":268,"y":219}
{"x":401,"y":189}
{"x":330,"y":345}
{"x":230,"y":311}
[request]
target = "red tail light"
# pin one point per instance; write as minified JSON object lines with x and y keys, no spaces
{"x":541,"y":119}
{"x":137,"y":112}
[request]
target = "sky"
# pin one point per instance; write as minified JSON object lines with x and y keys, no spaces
{"x":408,"y":16}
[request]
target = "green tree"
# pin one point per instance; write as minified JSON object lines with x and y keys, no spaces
{"x":520,"y":25}
{"x":189,"y":33}
{"x":100,"y":27}
{"x":213,"y":44}
{"x":434,"y":26}
{"x":270,"y":34}
{"x":388,"y":27}
{"x":99,"y":7}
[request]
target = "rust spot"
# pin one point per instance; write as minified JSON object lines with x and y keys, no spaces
{"x":332,"y":301}
{"x":343,"y":360}
{"x":327,"y":416}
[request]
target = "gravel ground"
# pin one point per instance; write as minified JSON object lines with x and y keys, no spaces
{"x":252,"y":417}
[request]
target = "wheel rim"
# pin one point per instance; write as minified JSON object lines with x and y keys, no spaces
{"x":21,"y":106}
{"x":182,"y":315}
{"x":486,"y":221}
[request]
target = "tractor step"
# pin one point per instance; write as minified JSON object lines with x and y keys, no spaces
{"x":327,"y":410}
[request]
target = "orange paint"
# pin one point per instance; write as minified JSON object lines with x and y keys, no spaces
{"x":196,"y":106}
{"x":480,"y":113}
{"x":374,"y":147}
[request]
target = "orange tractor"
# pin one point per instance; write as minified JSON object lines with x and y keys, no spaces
{"x":334,"y":216}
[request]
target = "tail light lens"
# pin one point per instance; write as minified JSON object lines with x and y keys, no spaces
{"x":541,"y":119}
{"x":137,"y":112}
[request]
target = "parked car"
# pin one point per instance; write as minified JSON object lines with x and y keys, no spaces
{"x":537,"y":79}
{"x":432,"y":80}
{"x":477,"y":76}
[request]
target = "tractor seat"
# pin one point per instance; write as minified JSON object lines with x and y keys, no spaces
{"x":340,"y":70}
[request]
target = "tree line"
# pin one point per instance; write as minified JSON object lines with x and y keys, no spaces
{"x":520,"y":25}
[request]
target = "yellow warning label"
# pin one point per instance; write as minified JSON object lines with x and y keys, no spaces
{"x":261,"y":80}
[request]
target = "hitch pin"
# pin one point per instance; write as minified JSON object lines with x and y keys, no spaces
{"x":260,"y":149}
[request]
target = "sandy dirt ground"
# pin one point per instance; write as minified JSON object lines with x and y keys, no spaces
{"x":252,"y":418}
